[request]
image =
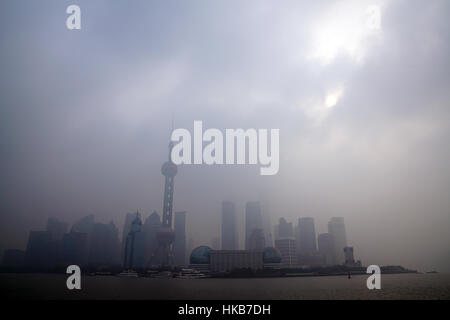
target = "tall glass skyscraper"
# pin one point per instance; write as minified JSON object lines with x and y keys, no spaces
{"x":327,"y":248}
{"x":229,"y":226}
{"x":253,"y":220}
{"x":306,"y":237}
{"x":336,"y":227}
{"x":179,"y":244}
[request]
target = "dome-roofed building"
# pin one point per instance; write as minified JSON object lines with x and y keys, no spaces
{"x":271,"y":255}
{"x":200,"y":255}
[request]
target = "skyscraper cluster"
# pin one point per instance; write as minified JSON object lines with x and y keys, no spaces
{"x":298,"y":246}
{"x":97,"y":245}
{"x":88,"y":243}
{"x":153,"y":243}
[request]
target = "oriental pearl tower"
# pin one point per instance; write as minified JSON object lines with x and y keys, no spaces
{"x":166,"y":235}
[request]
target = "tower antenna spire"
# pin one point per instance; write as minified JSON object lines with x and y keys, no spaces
{"x":171,"y":142}
{"x":166,"y":234}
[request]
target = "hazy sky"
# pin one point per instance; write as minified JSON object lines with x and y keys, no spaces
{"x":360,"y":91}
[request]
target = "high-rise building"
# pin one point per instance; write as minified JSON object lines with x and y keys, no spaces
{"x":56,"y":228}
{"x":189,"y":247}
{"x":215,"y":243}
{"x":349,"y":257}
{"x":85,"y":225}
{"x":129,"y":218}
{"x":287,"y":248}
{"x":267,"y":228}
{"x":40,"y":252}
{"x":151,"y":227}
{"x":306,"y":238}
{"x":336,"y":227}
{"x":256,"y":240}
{"x":75,"y":249}
{"x":229,"y":226}
{"x":179,"y":245}
{"x":134,"y":257}
{"x":269,"y":239}
{"x":327,"y":248}
{"x":105,"y":246}
{"x":253,"y":220}
{"x":285,"y":229}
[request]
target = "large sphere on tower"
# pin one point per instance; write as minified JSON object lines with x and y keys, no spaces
{"x":169,"y":169}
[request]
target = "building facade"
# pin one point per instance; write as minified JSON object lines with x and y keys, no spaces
{"x":229,"y":260}
{"x":134,"y":256}
{"x":229,"y":226}
{"x":285,"y":229}
{"x":327,"y":248}
{"x":336,"y":227}
{"x":253,"y":220}
{"x":306,"y":238}
{"x":179,"y":244}
{"x":257,"y":240}
{"x":287,"y":248}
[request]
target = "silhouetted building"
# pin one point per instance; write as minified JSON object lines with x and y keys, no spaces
{"x":306,"y":236}
{"x":306,"y":243}
{"x":56,"y":228}
{"x":75,"y":249}
{"x":84,"y":225}
{"x":253,"y":220}
{"x":269,"y":238}
{"x":256,"y":240}
{"x":229,"y":226}
{"x":287,"y":248}
{"x":13,"y":258}
{"x":336,"y":227}
{"x":105,"y":246}
{"x":267,"y":229}
{"x":179,"y":245}
{"x":129,"y":218}
{"x":190,"y":246}
{"x":40,"y":253}
{"x":151,"y":227}
{"x":229,"y":260}
{"x":285,"y":229}
{"x":327,"y":248}
{"x":215,"y":243}
{"x":350,"y":258}
{"x":134,"y":257}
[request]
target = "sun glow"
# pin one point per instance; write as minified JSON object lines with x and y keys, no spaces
{"x":345,"y":30}
{"x":332,"y":98}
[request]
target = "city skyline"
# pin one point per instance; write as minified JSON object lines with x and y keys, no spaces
{"x":357,"y":88}
{"x":300,"y":239}
{"x":134,"y":251}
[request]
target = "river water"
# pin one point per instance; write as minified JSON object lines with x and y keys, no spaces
{"x":398,"y":286}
